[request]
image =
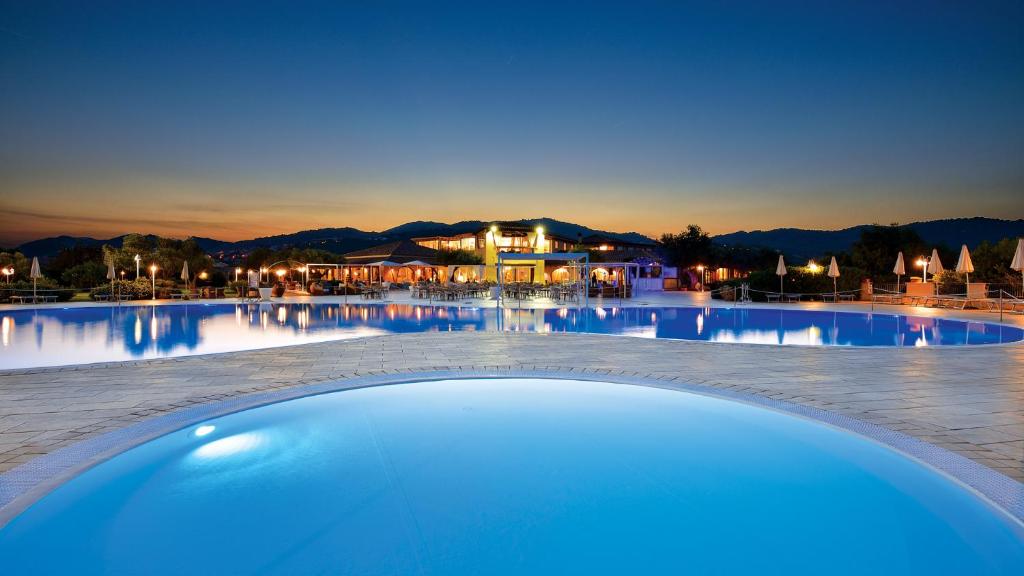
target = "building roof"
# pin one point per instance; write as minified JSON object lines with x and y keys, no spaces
{"x":402,"y":251}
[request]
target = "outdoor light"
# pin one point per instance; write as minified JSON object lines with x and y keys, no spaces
{"x":279,"y":272}
{"x":152,"y":269}
{"x":813,"y":267}
{"x":700,"y":268}
{"x":203,"y":275}
{"x":8,"y":272}
{"x":923,"y":263}
{"x":138,"y":261}
{"x":494,"y":229}
{"x":237,"y":272}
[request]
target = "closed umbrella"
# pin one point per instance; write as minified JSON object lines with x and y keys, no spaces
{"x":1018,"y":259}
{"x":833,"y":273}
{"x":780,"y":271}
{"x":899,"y":270}
{"x":964,"y":264}
{"x":35,"y":274}
{"x":935,"y":268}
{"x":111,"y":274}
{"x":934,"y":264}
{"x":184,"y":274}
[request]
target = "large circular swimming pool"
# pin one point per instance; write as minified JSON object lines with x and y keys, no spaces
{"x":511,"y":476}
{"x":50,"y":337}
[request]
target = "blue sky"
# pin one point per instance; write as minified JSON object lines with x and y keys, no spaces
{"x":240,"y":119}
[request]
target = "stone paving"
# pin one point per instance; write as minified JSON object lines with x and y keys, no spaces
{"x":969,"y":400}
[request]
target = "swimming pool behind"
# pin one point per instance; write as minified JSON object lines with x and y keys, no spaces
{"x":50,"y":337}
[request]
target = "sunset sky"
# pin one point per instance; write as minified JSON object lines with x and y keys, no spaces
{"x":234,"y":120}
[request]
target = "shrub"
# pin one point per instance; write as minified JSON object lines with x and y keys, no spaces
{"x":134,"y":289}
{"x":798,"y":280}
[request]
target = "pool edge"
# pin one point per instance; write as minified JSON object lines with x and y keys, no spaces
{"x":24,"y":485}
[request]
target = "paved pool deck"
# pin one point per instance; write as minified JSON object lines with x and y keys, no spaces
{"x":969,"y":400}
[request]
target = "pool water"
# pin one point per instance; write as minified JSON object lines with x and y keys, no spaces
{"x":511,"y":476}
{"x":50,"y":337}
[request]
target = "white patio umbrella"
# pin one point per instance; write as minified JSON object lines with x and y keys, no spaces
{"x":833,"y":273}
{"x":35,"y":274}
{"x":964,"y":264}
{"x":184,"y":274}
{"x":111,"y":275}
{"x":934,"y":264}
{"x":1018,"y":259}
{"x":780,"y":271}
{"x":899,"y":270}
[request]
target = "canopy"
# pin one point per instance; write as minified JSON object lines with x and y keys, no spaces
{"x":184,"y":272}
{"x":934,"y":264}
{"x":417,"y":263}
{"x":383,"y":263}
{"x":899,"y":269}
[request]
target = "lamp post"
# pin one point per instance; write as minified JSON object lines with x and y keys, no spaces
{"x":138,"y":260}
{"x":700,"y":268}
{"x":152,"y":270}
{"x":264,"y":271}
{"x":8,"y":272}
{"x":923,"y":263}
{"x":237,"y":272}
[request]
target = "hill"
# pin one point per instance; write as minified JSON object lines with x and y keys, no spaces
{"x":798,"y":243}
{"x":337,"y":240}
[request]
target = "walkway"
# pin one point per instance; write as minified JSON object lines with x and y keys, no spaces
{"x":969,"y":400}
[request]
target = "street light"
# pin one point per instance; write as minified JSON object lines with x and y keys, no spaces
{"x":923,"y":263}
{"x":152,"y":270}
{"x":137,"y":259}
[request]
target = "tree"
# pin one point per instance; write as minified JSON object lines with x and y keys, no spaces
{"x":688,"y":248}
{"x":992,"y":262}
{"x":73,"y":256}
{"x":876,"y":249}
{"x":85,"y":275}
{"x":458,"y":257}
{"x":16,"y":260}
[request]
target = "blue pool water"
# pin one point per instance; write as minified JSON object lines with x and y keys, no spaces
{"x":513,"y":476}
{"x":50,"y":337}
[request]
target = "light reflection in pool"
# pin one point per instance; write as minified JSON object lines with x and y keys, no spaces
{"x":49,"y":337}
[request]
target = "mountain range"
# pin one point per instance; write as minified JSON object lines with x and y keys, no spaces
{"x":799,"y":243}
{"x":794,"y":242}
{"x":337,"y":240}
